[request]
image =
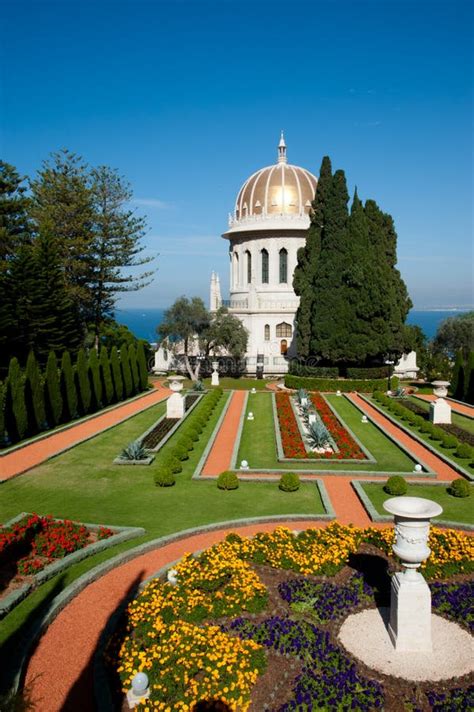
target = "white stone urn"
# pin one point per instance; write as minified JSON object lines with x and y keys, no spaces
{"x":441,"y":388}
{"x":176,"y":383}
{"x":215,"y":373}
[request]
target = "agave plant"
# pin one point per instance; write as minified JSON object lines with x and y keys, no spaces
{"x":318,"y":436}
{"x":302,"y":394}
{"x":134,"y":451}
{"x":198,"y":386}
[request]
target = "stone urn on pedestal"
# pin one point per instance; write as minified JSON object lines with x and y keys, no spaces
{"x":215,"y":373}
{"x":440,"y":410}
{"x":410,"y":596}
{"x":175,"y":403}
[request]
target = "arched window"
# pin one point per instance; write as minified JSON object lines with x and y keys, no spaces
{"x":266,"y":330}
{"x":283,"y":330}
{"x":283,"y":346}
{"x":283,"y":266}
{"x":249,"y":266}
{"x":264,"y":254}
{"x":236,"y":269}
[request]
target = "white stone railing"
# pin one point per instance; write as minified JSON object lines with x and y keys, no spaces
{"x":281,"y":306}
{"x":299,"y":220}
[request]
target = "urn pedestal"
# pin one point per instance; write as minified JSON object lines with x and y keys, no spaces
{"x":215,"y":374}
{"x":175,"y":403}
{"x":410,"y":597}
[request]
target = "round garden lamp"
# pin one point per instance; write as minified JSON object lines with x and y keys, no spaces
{"x":410,"y":596}
{"x":140,"y":690}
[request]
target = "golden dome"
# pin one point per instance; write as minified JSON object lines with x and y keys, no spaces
{"x":278,"y":190}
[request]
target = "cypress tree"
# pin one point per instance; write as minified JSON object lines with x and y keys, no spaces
{"x":95,"y":380}
{"x":83,"y":383}
{"x":54,"y":401}
{"x":132,"y":357}
{"x":126,"y":372}
{"x":106,"y":376}
{"x":16,"y":415}
{"x":3,"y":430}
{"x":458,"y":363}
{"x":68,"y":388}
{"x":116,"y":374}
{"x":142,"y":367}
{"x":469,"y":390}
{"x":34,"y":396}
{"x":308,"y":257}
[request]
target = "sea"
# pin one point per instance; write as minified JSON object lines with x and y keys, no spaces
{"x":143,"y":322}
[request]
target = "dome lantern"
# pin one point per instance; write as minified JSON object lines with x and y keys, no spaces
{"x":282,"y":150}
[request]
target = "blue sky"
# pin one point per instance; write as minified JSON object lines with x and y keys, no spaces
{"x":186,"y":99}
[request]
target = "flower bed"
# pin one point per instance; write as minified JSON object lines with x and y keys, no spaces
{"x":245,"y":610}
{"x":292,"y":442}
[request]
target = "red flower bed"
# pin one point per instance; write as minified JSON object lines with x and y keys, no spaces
{"x":34,"y":542}
{"x":292,"y":442}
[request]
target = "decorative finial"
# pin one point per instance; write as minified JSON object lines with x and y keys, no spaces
{"x":282,"y":150}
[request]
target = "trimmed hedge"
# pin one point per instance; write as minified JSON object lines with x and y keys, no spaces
{"x":289,"y":482}
{"x":459,"y":488}
{"x":228,"y":481}
{"x":396,"y":486}
{"x":346,"y":385}
{"x":299,"y":369}
{"x":164,"y":478}
{"x":371,"y":373}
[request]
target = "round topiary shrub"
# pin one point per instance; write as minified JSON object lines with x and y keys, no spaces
{"x":196,"y":424}
{"x":459,"y":488}
{"x":436,"y":433}
{"x":228,"y":480}
{"x":465,"y":451}
{"x":449,"y":441}
{"x":289,"y":482}
{"x":395,"y":485}
{"x":192,"y":433}
{"x":179,"y":452}
{"x":172,"y":463}
{"x":426,"y":427}
{"x":185,"y":443}
{"x":417,"y":421}
{"x":164,"y":477}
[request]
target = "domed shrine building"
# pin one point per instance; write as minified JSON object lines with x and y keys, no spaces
{"x":268,"y":226}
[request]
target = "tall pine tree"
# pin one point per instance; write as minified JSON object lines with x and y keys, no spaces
{"x":15,"y":408}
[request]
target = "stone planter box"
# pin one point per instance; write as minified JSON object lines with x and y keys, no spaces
{"x":123,"y":461}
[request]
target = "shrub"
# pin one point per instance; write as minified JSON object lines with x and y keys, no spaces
{"x":436,"y":433}
{"x":465,"y":451}
{"x":164,"y":478}
{"x":179,"y":452}
{"x":196,"y":424}
{"x":15,"y":408}
{"x":52,"y":391}
{"x":417,"y":421}
{"x":132,"y":358}
{"x":68,"y":388}
{"x":116,"y":373}
{"x":373,"y":372}
{"x":289,"y":482}
{"x":34,"y":395}
{"x":299,"y":369}
{"x":448,"y":441}
{"x":426,"y":427}
{"x":346,"y":385}
{"x":395,"y":486}
{"x":459,"y":488}
{"x":95,"y":379}
{"x":106,"y":376}
{"x":192,"y":433}
{"x":134,"y":451}
{"x":83,"y":383}
{"x":142,"y":367}
{"x":185,"y":442}
{"x":228,"y":480}
{"x":198,"y":387}
{"x":169,"y":462}
{"x":126,"y":372}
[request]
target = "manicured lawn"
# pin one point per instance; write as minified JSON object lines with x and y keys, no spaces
{"x":461,"y":421}
{"x":455,"y":509}
{"x":258,"y":445}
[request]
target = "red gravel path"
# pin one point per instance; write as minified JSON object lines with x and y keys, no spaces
{"x":460,"y":408}
{"x":59,"y":674}
{"x":418,"y":451}
{"x":220,"y":455}
{"x":29,"y":456}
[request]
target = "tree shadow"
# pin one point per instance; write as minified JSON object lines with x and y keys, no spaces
{"x":374,"y":570}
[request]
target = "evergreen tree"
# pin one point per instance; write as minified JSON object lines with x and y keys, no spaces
{"x":14,"y":223}
{"x":117,"y":235}
{"x":106,"y":376}
{"x":15,"y":407}
{"x":308,"y":257}
{"x":83,"y":383}
{"x":116,"y":374}
{"x":95,"y":379}
{"x":19,"y":282}
{"x":458,"y":363}
{"x":132,"y":358}
{"x":469,"y":390}
{"x":34,"y":396}
{"x":142,"y":367}
{"x":126,"y":372}
{"x":54,"y":401}
{"x":68,"y":388}
{"x":3,"y":430}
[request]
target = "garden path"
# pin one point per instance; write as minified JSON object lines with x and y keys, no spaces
{"x":418,"y":451}
{"x":220,"y":456}
{"x":461,"y":408}
{"x":28,"y":456}
{"x":59,"y":675}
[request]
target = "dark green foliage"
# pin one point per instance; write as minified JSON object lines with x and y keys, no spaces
{"x":52,"y":389}
{"x":459,"y":488}
{"x":469,"y":380}
{"x":164,"y":477}
{"x":95,"y":379}
{"x":226,"y":332}
{"x":300,"y":369}
{"x":83,"y":383}
{"x":132,"y":358}
{"x":106,"y":377}
{"x":116,"y":374}
{"x":455,"y":333}
{"x":181,"y":453}
{"x":142,"y":367}
{"x":437,"y":433}
{"x":126,"y":372}
{"x":395,"y":486}
{"x":171,"y":463}
{"x":228,"y":481}
{"x":192,"y":433}
{"x":3,"y":393}
{"x":182,"y":322}
{"x":185,"y":443}
{"x":347,"y":385}
{"x":456,"y":381}
{"x":448,"y":441}
{"x":289,"y":482}
{"x":427,"y":427}
{"x":34,"y":396}
{"x":68,"y":389}
{"x":465,"y":451}
{"x":15,"y":407}
{"x":373,"y":372}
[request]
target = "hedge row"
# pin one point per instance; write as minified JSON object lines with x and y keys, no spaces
{"x":345,"y":385}
{"x":32,"y":401}
{"x":303,"y":370}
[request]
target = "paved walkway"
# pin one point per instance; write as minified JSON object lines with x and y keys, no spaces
{"x":29,"y":456}
{"x":461,"y":408}
{"x":220,"y":456}
{"x":418,"y":451}
{"x":60,"y":672}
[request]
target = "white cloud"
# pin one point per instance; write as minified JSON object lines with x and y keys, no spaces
{"x":152,"y":203}
{"x":187,"y":245}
